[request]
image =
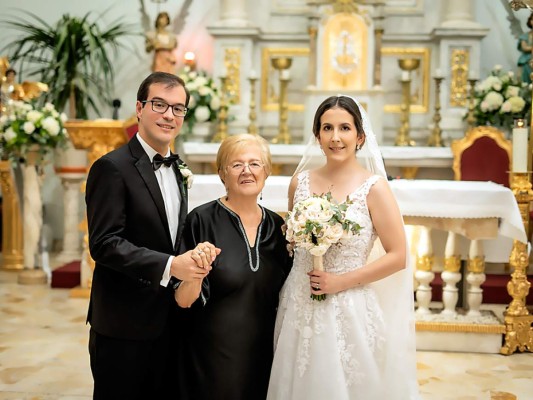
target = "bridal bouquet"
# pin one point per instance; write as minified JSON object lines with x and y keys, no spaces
{"x":317,"y":223}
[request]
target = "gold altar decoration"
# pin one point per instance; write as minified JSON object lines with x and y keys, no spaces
{"x":12,"y":242}
{"x":518,"y":4}
{"x":222,"y":126}
{"x":403,"y":138}
{"x":98,"y":138}
{"x":252,"y":127}
{"x":345,"y":53}
{"x":518,"y":321}
{"x":460,"y":59}
{"x":312,"y":30}
{"x":283,"y":65}
{"x":471,"y":118}
{"x":232,"y":62}
{"x":269,"y":76}
{"x":435,"y":139}
{"x":420,"y":79}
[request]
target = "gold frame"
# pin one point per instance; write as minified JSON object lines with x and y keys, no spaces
{"x":266,"y":55}
{"x":458,"y":146}
{"x":423,"y":54}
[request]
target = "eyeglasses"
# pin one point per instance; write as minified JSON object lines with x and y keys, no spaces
{"x":238,"y":167}
{"x":161,"y":107}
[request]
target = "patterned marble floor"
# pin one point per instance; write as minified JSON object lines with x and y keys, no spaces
{"x":43,"y":354}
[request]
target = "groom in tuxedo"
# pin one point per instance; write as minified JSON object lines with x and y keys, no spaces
{"x":136,"y":206}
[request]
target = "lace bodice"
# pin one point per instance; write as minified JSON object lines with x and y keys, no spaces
{"x":348,"y":254}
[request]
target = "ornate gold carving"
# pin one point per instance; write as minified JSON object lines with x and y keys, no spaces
{"x":378,"y":40}
{"x":283,"y":135}
{"x":459,"y":61}
{"x":344,"y":6}
{"x":420,"y":80}
{"x":458,"y":146}
{"x":403,"y":138}
{"x":424,"y":263}
{"x":252,"y":127}
{"x":269,"y":76}
{"x":409,"y":172}
{"x":222,"y":126}
{"x":232,"y":62}
{"x":423,"y":326}
{"x":435,"y":138}
{"x":12,"y":242}
{"x":452,"y":264}
{"x":476,"y":265}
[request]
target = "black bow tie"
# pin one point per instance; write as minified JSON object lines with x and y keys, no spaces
{"x":160,"y":160}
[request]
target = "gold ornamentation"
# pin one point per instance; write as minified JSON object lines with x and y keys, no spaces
{"x":282,"y":64}
{"x":222,"y":126}
{"x":344,"y":6}
{"x":12,"y":239}
{"x":409,"y":172}
{"x":420,"y":90}
{"x":435,"y":139}
{"x":252,"y":128}
{"x":476,"y":265}
{"x":460,"y":60}
{"x":403,"y":138}
{"x":452,"y":264}
{"x":424,"y":263}
{"x":423,"y":326}
{"x":232,"y":62}
{"x":471,"y":118}
{"x":269,"y":96}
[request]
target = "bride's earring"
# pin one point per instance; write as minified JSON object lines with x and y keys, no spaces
{"x":357,"y":147}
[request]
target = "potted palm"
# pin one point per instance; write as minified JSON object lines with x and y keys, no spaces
{"x":72,"y":56}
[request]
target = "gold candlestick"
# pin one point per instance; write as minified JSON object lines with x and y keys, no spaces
{"x":435,"y":139}
{"x":403,"y":138}
{"x":252,"y":128}
{"x":282,"y":64}
{"x":518,"y":330}
{"x":471,"y":119}
{"x":222,"y":127}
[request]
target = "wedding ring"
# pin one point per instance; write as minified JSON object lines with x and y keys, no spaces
{"x":199,"y":252}
{"x":317,"y":286}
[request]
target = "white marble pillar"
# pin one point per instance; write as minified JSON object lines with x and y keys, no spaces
{"x":458,"y":14}
{"x":71,"y":183}
{"x":233,"y":13}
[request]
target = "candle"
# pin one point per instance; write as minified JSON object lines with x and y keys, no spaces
{"x":253,"y":74}
{"x":285,"y":75}
{"x":438,"y":73}
{"x":405,"y":76}
{"x":520,"y":147}
{"x":472,"y":75}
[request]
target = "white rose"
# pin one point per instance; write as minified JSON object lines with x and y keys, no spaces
{"x":193,"y":74}
{"x":28,"y":127}
{"x":201,"y":81}
{"x":517,"y":104}
{"x":333,"y":233}
{"x":512,"y":91}
{"x":3,"y":120}
{"x":49,"y":107}
{"x":494,"y":100}
{"x":34,"y":116}
{"x":192,"y":102}
{"x":9,"y":134}
{"x":506,"y":107}
{"x":202,"y":114}
{"x":203,"y":90}
{"x":63,"y":117}
{"x":51,"y":125}
{"x":214,"y":103}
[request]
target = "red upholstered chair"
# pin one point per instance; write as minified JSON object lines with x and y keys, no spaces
{"x":482,"y":155}
{"x":131,"y":126}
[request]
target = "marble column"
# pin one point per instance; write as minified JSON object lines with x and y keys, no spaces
{"x":233,"y":13}
{"x":71,"y":183}
{"x":458,"y":14}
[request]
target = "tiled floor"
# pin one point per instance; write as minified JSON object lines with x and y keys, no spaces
{"x":43,"y":354}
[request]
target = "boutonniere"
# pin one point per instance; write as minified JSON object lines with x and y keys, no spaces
{"x":187,"y":174}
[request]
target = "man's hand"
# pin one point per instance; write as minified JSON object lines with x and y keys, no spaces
{"x":194,"y":264}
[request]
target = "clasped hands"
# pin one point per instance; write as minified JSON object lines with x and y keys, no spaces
{"x":194,"y":264}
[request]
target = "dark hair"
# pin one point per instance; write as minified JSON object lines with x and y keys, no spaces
{"x":169,"y":80}
{"x":9,"y":70}
{"x":530,"y":21}
{"x":162,"y":14}
{"x":344,"y":102}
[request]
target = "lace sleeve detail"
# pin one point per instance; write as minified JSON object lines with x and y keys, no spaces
{"x":302,"y":189}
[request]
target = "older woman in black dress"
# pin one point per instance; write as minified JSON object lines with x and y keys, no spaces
{"x":228,"y":346}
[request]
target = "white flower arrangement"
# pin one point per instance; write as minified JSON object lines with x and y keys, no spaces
{"x":204,"y":102}
{"x":25,"y":125}
{"x":317,"y":223}
{"x":501,"y":98}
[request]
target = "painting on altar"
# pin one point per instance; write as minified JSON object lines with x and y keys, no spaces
{"x":270,"y":78}
{"x":420,"y":78}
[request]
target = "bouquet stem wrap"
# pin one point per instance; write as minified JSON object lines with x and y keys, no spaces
{"x":318,"y":265}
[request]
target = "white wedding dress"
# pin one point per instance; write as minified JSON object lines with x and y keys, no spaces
{"x":337,"y":348}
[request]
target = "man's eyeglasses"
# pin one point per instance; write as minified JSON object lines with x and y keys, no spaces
{"x":161,"y":107}
{"x":238,"y":167}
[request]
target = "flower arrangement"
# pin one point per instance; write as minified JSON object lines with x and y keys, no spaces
{"x":25,"y":125}
{"x":205,"y":97}
{"x":501,"y":98}
{"x":317,"y":223}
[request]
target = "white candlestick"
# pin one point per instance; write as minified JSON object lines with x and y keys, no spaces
{"x":253,"y":74}
{"x":285,"y":75}
{"x":519,"y":149}
{"x":405,"y":76}
{"x":438,"y":73}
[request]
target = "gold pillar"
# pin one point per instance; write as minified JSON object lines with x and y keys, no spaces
{"x":12,"y":243}
{"x":222,"y":126}
{"x":98,"y":138}
{"x":312,"y":29}
{"x":283,"y":64}
{"x":471,"y":118}
{"x":403,"y":138}
{"x":252,"y":128}
{"x":435,"y":138}
{"x":518,"y":330}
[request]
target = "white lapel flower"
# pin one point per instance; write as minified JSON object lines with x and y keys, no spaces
{"x":187,"y":174}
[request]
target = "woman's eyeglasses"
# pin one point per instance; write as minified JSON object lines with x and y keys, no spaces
{"x":238,"y":167}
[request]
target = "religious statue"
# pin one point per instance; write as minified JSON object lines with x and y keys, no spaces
{"x":525,"y":45}
{"x":162,"y":43}
{"x":9,"y":89}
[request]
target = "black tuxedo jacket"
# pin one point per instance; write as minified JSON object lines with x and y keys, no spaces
{"x":130,"y":241}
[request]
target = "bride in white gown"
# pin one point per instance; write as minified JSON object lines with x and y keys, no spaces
{"x":359,"y":342}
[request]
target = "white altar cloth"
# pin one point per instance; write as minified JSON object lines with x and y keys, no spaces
{"x":416,"y":198}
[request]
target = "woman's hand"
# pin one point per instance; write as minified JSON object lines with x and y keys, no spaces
{"x":322,"y":282}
